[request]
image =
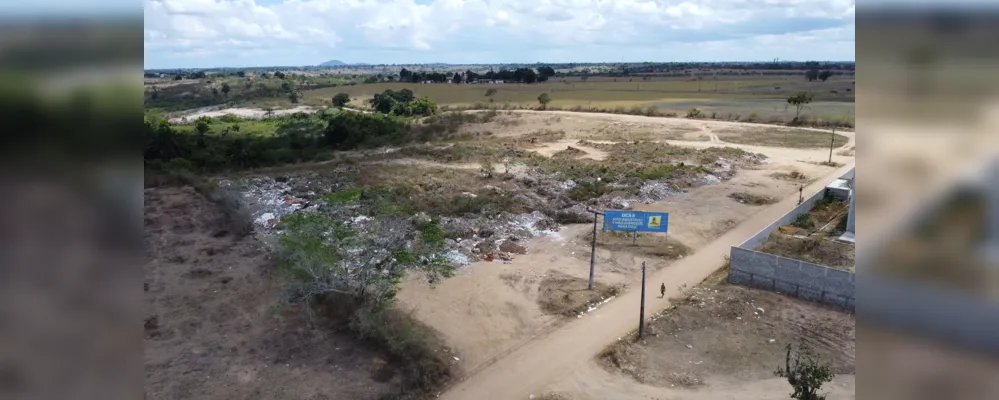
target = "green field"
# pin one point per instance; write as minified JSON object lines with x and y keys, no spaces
{"x":729,"y":97}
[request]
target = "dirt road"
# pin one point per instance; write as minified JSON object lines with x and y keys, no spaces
{"x":554,"y":355}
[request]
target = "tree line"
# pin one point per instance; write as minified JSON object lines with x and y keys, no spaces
{"x":519,"y":75}
{"x":299,"y":137}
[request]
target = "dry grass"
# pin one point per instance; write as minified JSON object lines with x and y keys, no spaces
{"x":561,"y":294}
{"x":752,"y":199}
{"x":793,"y":176}
{"x":648,"y":244}
{"x":814,"y":249}
{"x":782,"y":137}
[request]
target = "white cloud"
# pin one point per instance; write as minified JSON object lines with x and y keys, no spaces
{"x":298,"y":32}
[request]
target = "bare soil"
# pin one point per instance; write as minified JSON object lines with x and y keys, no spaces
{"x":214,"y":328}
{"x":719,"y":333}
{"x":562,"y":294}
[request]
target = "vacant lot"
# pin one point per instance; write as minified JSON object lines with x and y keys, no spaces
{"x":720,"y":334}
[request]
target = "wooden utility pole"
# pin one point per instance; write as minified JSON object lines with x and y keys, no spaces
{"x":832,"y":140}
{"x":641,"y":313}
{"x":593,"y":248}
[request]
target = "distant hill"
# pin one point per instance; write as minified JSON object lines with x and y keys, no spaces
{"x":333,"y":63}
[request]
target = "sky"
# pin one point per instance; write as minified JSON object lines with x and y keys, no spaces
{"x":247,"y":33}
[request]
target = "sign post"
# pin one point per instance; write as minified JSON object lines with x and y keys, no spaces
{"x":628,"y":221}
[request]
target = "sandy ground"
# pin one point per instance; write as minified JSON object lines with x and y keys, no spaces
{"x":545,"y":361}
{"x":495,"y":324}
{"x":212,"y":328}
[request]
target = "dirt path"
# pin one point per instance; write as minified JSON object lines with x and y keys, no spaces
{"x":552,"y":356}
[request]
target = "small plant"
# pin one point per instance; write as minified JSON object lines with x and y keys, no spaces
{"x":490,"y":92}
{"x":806,"y":374}
{"x":694,"y":113}
{"x":488,"y":169}
{"x":802,"y":221}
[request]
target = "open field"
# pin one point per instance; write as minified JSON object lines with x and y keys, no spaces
{"x":736,"y":98}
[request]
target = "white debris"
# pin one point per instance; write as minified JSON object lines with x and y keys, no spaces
{"x":689,"y":346}
{"x":771,"y":340}
{"x":760,"y":309}
{"x":264,"y":219}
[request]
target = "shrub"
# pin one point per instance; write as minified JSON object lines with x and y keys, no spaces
{"x":806,"y":374}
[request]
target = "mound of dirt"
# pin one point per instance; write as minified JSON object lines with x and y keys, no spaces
{"x":569,"y":152}
{"x":562,"y":294}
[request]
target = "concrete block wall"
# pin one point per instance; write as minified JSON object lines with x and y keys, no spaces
{"x":792,"y":277}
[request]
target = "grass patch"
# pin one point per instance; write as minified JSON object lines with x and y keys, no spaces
{"x":778,"y":137}
{"x":648,"y":244}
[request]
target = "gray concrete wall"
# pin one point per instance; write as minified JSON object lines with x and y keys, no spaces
{"x":792,"y":277}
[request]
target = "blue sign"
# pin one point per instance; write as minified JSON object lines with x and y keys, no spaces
{"x":635,"y":221}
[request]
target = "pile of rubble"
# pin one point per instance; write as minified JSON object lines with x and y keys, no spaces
{"x":495,"y":238}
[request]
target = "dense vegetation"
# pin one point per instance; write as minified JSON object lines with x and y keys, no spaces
{"x":296,"y":138}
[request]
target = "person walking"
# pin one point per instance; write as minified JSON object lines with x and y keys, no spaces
{"x":662,"y":291}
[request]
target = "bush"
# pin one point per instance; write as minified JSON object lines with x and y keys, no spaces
{"x":806,"y":374}
{"x":803,"y":221}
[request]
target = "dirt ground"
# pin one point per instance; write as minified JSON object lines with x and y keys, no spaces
{"x":483,"y":316}
{"x":213,"y":329}
{"x":720,"y":333}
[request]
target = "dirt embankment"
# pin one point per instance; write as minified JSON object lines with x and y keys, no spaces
{"x":215,"y":327}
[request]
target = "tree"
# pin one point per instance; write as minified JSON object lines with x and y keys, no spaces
{"x":812,"y":74}
{"x":322,"y":256}
{"x":799,"y":101}
{"x":215,"y":92}
{"x":824,"y":75}
{"x":456,"y":78}
{"x":341,"y":100}
{"x":423,"y":106}
{"x":226,"y":89}
{"x":490,"y":92}
{"x":806,"y":374}
{"x":544,"y":99}
{"x":293,"y":96}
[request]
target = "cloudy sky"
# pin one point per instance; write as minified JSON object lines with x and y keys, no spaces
{"x":240,"y":33}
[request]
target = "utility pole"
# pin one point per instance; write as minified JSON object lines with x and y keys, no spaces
{"x":832,"y":139}
{"x":641,"y":313}
{"x":593,"y":248}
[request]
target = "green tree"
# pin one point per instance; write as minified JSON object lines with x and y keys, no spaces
{"x":215,"y":92}
{"x":293,"y":96}
{"x":812,"y":74}
{"x":423,"y":106}
{"x":824,"y":75}
{"x":799,"y":100}
{"x":544,"y":99}
{"x":202,"y":125}
{"x":341,"y":100}
{"x":323,"y":257}
{"x":806,"y":373}
{"x":226,"y":89}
